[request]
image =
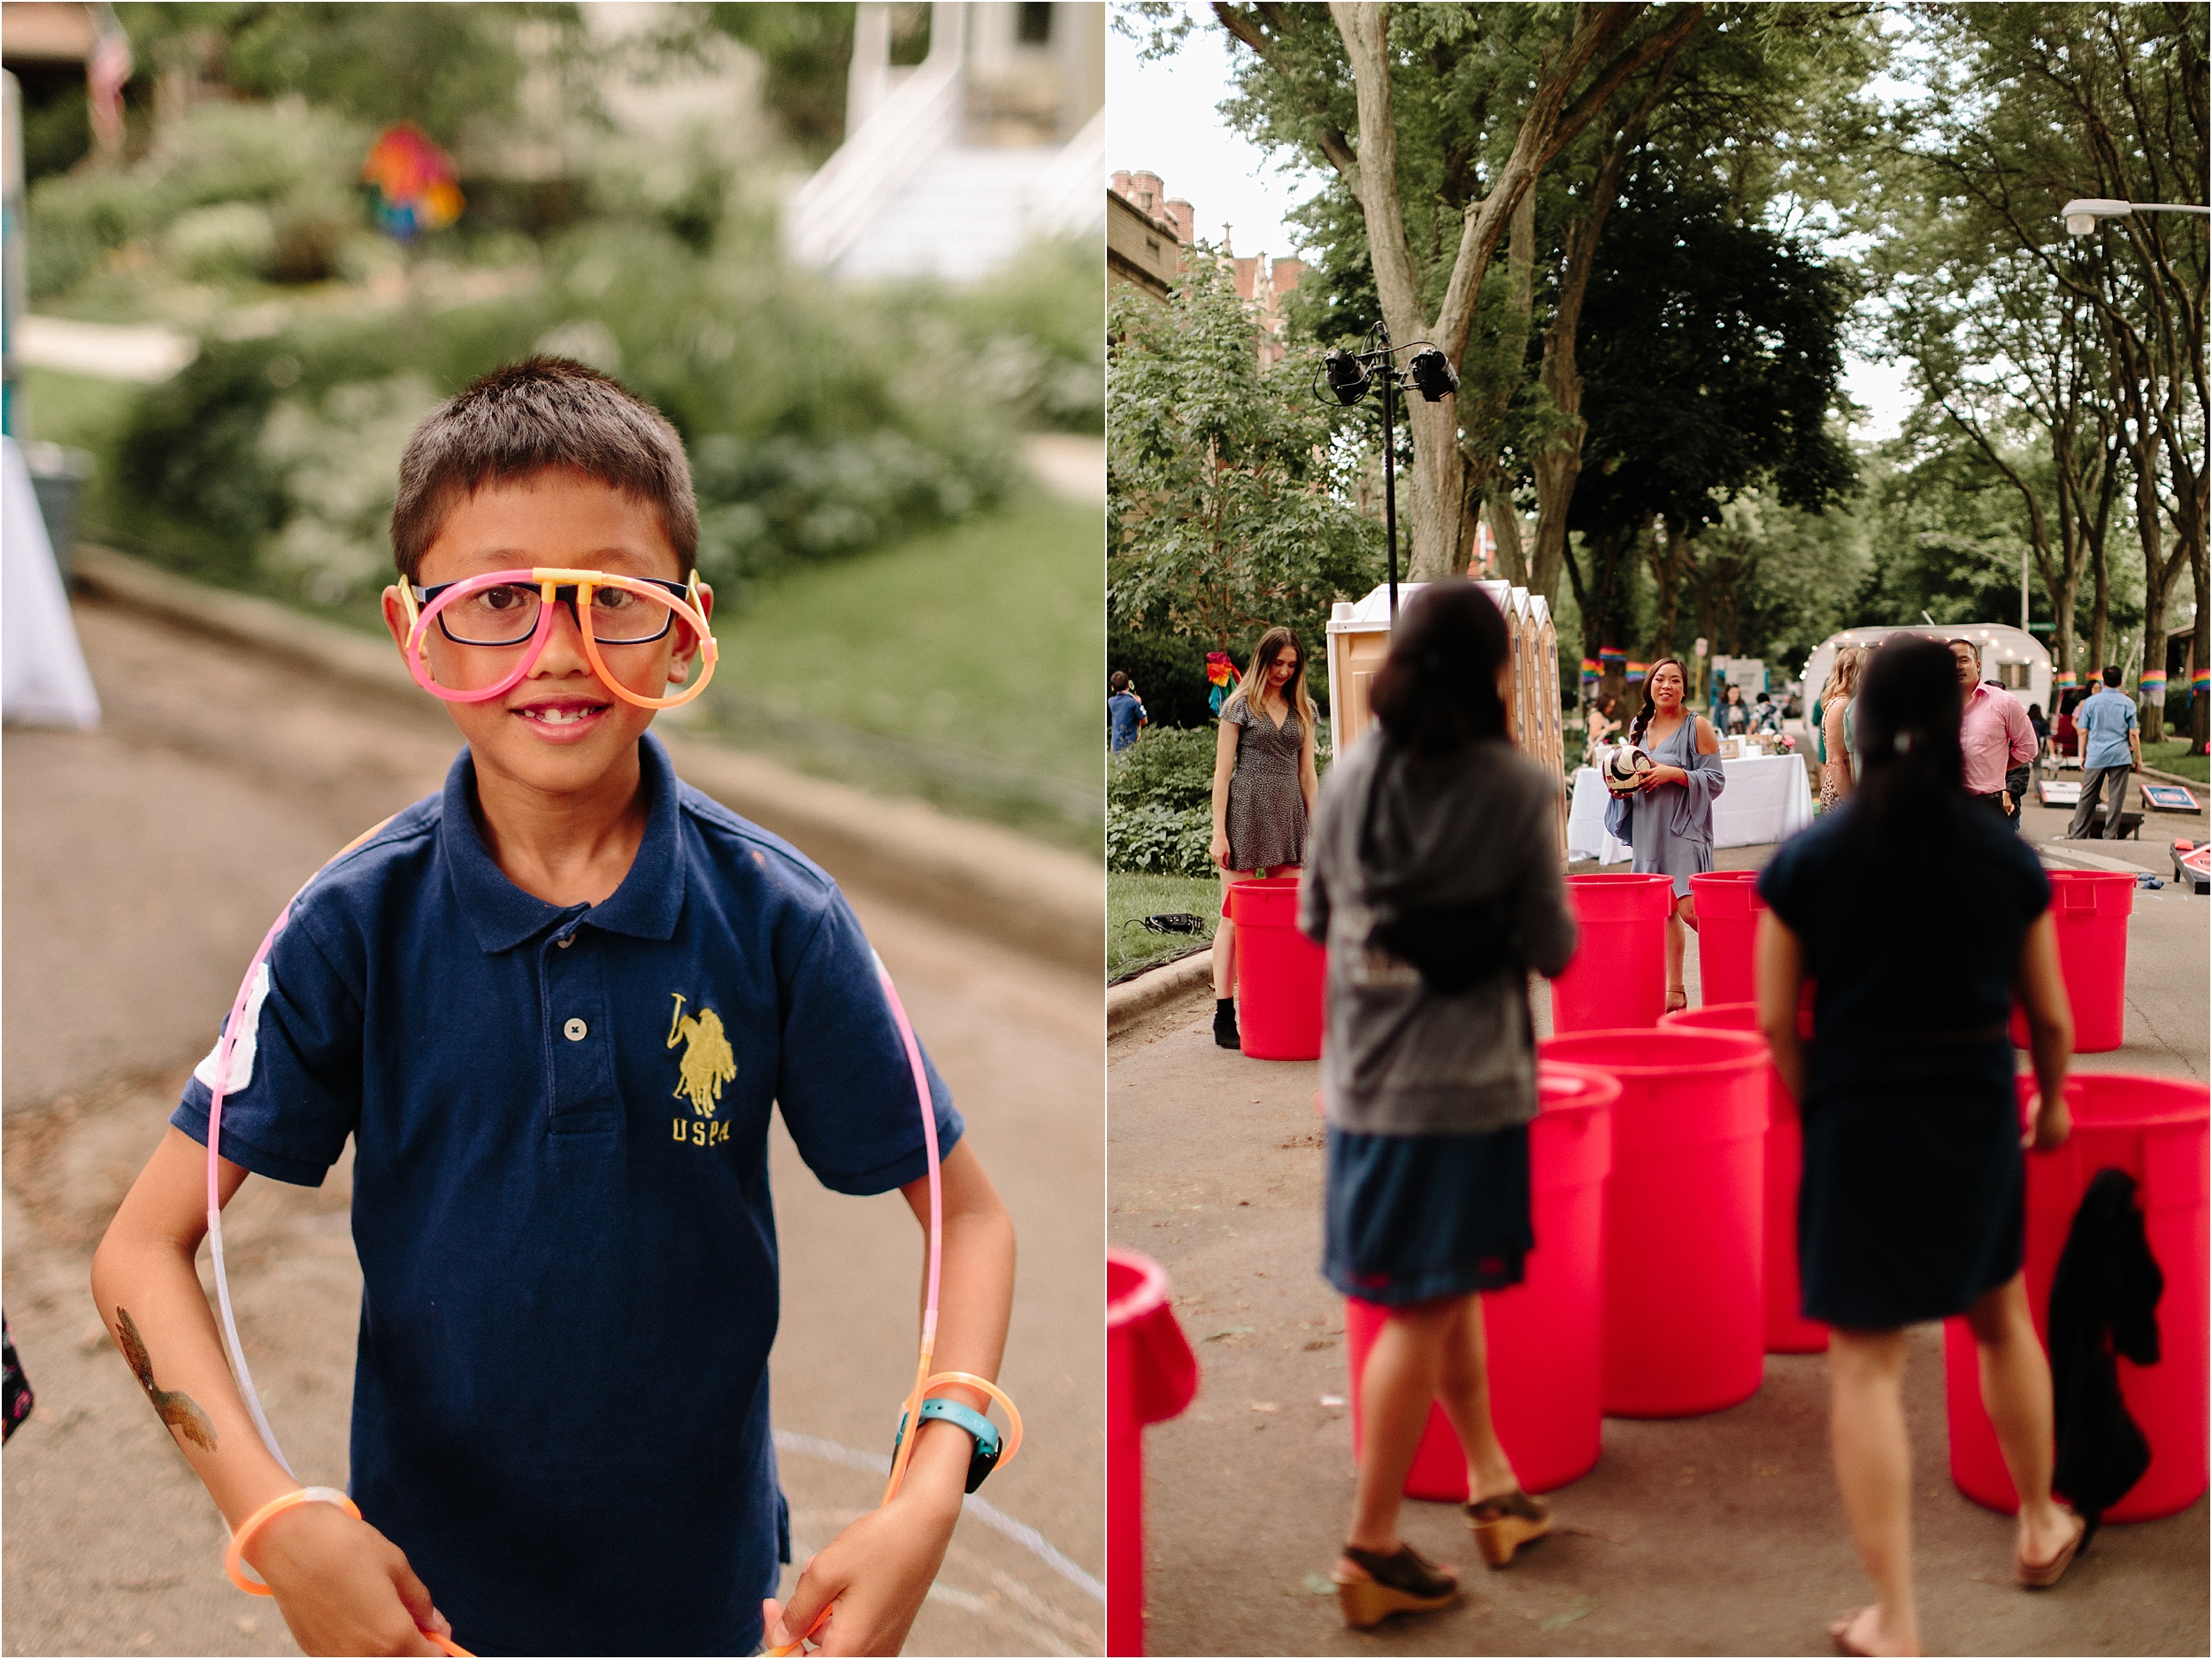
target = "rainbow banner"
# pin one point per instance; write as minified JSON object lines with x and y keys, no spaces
{"x":2152,"y":686}
{"x":2062,"y":681}
{"x":1589,"y":668}
{"x":1612,"y":656}
{"x":2201,"y":682}
{"x":1637,"y":670}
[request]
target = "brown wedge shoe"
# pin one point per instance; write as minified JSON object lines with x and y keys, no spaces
{"x":1503,"y":1524}
{"x":1408,"y":1582}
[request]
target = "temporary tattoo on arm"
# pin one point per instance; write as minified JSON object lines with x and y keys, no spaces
{"x":176,"y":1408}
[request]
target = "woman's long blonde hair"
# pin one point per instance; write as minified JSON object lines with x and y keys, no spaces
{"x":1294,"y":695}
{"x":1843,"y":674}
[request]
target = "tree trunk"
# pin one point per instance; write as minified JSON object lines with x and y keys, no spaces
{"x":1669,"y":562}
{"x":2160,"y":573}
{"x":1437,"y":478}
{"x":2100,"y":617}
{"x":2200,"y":701}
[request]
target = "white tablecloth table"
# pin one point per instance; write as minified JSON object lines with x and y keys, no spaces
{"x":1769,"y":798}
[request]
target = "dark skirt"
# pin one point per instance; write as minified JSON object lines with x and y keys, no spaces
{"x":1912,"y":1203}
{"x":1414,"y":1218}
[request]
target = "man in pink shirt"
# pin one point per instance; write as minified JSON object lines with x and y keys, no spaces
{"x":1994,"y":732}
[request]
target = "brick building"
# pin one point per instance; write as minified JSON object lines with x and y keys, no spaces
{"x":1150,"y":236}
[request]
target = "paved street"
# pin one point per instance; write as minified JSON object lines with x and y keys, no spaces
{"x":1715,"y":1534}
{"x":143,"y":861}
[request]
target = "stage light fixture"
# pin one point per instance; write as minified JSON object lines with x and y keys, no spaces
{"x":1348,"y":378}
{"x":1432,"y":375}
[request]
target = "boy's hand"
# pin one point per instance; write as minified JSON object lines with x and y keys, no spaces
{"x":875,"y":1572}
{"x":343,"y":1586}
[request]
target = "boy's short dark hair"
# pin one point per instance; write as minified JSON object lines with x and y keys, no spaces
{"x":534,"y":416}
{"x":2111,"y":678}
{"x":1117,"y":681}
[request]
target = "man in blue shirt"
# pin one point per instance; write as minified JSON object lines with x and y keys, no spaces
{"x":553,"y":1007}
{"x":2111,"y":748}
{"x":1125,"y":713}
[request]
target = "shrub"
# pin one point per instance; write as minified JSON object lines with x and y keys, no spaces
{"x":1152,"y":840}
{"x":1171,"y":769}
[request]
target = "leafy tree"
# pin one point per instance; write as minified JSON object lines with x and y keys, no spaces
{"x":806,"y":51}
{"x":2027,"y":107}
{"x":1711,"y":352}
{"x":1227,"y":510}
{"x":440,"y":66}
{"x":1439,"y":118}
{"x":1765,"y":103}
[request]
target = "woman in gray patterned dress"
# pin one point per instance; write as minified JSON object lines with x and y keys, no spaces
{"x":1264,"y":784}
{"x":1670,"y":820}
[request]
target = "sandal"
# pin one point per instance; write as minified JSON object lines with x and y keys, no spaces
{"x":1503,"y":1524}
{"x":1408,"y":1582}
{"x":2043,"y":1577}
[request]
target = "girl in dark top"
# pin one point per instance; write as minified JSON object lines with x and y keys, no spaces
{"x":1920,"y":920}
{"x":1429,"y":1071}
{"x":1264,"y":784}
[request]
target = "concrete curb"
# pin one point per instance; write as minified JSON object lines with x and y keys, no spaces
{"x":979,"y":877}
{"x":2155,"y":776}
{"x":1149,"y":993}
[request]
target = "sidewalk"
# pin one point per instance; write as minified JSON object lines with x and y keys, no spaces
{"x":1714,"y":1534}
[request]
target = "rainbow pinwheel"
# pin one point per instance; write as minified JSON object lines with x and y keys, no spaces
{"x":1221,"y":674}
{"x":413,"y":177}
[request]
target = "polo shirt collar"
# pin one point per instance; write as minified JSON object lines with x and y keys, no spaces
{"x":502,"y":915}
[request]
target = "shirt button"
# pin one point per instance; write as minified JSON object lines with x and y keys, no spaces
{"x":575,"y":1031}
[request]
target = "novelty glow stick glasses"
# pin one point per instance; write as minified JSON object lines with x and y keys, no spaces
{"x":924,"y":1383}
{"x":470,"y":613}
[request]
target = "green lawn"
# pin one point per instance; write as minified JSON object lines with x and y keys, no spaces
{"x":967,"y":665}
{"x":1128,"y":896}
{"x":2171,"y":754}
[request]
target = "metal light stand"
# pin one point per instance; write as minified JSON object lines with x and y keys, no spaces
{"x":1351,"y":373}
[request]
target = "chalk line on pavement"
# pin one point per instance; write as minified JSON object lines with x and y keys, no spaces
{"x":997,"y":1519}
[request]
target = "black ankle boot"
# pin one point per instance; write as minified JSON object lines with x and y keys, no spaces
{"x":1226,"y":1023}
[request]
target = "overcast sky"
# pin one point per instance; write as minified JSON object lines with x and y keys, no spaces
{"x":1162,"y":116}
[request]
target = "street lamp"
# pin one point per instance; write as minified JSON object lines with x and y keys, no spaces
{"x":2081,"y":216}
{"x":1352,"y":372}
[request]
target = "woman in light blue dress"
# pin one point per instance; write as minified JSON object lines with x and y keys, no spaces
{"x":1669,"y":821}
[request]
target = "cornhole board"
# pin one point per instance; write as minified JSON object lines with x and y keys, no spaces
{"x":2050,"y":792}
{"x":2169,"y":798}
{"x":2193,"y":865}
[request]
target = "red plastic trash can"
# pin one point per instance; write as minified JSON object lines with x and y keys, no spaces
{"x":1787,"y":1330}
{"x":1728,"y":906}
{"x":1545,"y":1336}
{"x":2153,"y":1128}
{"x":1685,"y":1217}
{"x":2090,"y":910}
{"x":1150,"y":1375}
{"x":1279,"y":973}
{"x":1619,"y":974}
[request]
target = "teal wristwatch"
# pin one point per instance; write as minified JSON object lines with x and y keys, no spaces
{"x":984,"y":1458}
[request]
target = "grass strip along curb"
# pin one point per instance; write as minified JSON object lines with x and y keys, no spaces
{"x":977,"y":876}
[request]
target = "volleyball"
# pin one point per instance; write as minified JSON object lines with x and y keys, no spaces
{"x":1625,"y":770}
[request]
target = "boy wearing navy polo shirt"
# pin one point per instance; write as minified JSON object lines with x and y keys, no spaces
{"x":554,"y":1005}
